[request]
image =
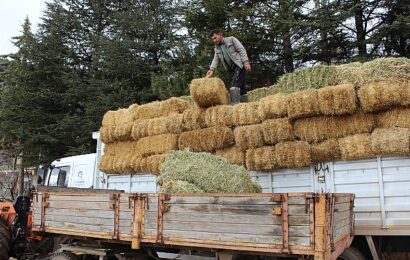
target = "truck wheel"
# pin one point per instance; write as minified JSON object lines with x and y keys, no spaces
{"x":351,"y":253}
{"x":64,"y":256}
{"x":4,"y":240}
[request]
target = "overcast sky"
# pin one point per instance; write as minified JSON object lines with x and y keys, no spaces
{"x":12,"y":15}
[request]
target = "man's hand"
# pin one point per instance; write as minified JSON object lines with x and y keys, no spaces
{"x":209,"y":73}
{"x":247,"y":67}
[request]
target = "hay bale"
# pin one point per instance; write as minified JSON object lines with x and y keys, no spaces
{"x":379,"y":95}
{"x":158,"y":144}
{"x":355,"y":147}
{"x":171,"y":124}
{"x":209,"y":173}
{"x":391,"y":141}
{"x":245,"y":114}
{"x":303,"y":104}
{"x":207,"y":139}
{"x":160,"y":108}
{"x":337,"y":100}
{"x":189,"y":100}
{"x":208,"y":92}
{"x":396,"y":117}
{"x":193,"y":119}
{"x":171,"y":186}
{"x":317,"y":129}
{"x":247,"y":137}
{"x":314,"y":77}
{"x":151,"y":164}
{"x":349,"y":73}
{"x":233,"y":154}
{"x":397,"y":69}
{"x":105,"y":135}
{"x":259,"y":93}
{"x":325,"y":151}
{"x":219,"y":115}
{"x":277,"y":130}
{"x":294,"y":154}
{"x":140,"y":129}
{"x":105,"y":164}
{"x":274,"y":106}
{"x":261,"y":159}
{"x":405,"y":93}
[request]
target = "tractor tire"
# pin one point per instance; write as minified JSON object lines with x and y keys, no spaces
{"x":5,"y":234}
{"x":351,"y":253}
{"x":64,"y":256}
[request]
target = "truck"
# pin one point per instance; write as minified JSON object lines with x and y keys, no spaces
{"x":81,"y":212}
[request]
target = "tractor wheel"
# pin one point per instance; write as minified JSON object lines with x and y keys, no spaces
{"x":64,"y":256}
{"x":4,"y":240}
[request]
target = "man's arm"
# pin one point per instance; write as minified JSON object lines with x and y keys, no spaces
{"x":213,"y":66}
{"x":242,"y":52}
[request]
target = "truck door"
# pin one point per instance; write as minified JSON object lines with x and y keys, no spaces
{"x":59,"y":176}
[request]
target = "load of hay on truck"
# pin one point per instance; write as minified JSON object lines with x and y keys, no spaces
{"x":326,"y":129}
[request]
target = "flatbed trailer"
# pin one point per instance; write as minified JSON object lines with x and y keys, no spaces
{"x":306,"y":225}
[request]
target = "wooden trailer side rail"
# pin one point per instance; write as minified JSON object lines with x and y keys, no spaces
{"x":319,"y":225}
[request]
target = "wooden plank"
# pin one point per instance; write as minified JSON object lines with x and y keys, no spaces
{"x":342,"y":199}
{"x":80,"y":198}
{"x":80,"y":212}
{"x":342,"y":223}
{"x":341,"y":232}
{"x":125,"y":215}
{"x":342,"y":206}
{"x":82,"y":228}
{"x":229,"y":218}
{"x":80,"y":205}
{"x":298,"y":200}
{"x":250,"y":200}
{"x":80,"y":220}
{"x":339,"y":216}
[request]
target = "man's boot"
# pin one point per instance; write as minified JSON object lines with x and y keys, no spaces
{"x":235,"y":95}
{"x":244,"y":98}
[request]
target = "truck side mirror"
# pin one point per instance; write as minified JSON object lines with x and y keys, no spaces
{"x":41,"y":174}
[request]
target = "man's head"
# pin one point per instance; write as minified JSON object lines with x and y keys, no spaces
{"x":216,"y":36}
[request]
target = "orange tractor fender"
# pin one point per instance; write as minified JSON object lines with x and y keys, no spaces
{"x":7,"y":212}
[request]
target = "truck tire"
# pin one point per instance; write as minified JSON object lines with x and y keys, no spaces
{"x":64,"y":256}
{"x":4,"y":240}
{"x":351,"y":253}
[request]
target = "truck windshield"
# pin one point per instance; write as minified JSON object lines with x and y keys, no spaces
{"x":59,"y":176}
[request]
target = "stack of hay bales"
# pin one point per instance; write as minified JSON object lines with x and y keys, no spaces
{"x":321,"y":114}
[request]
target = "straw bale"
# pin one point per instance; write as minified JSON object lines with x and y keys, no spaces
{"x":160,"y":108}
{"x":233,"y":154}
{"x":208,"y":92}
{"x":317,"y":129}
{"x":208,"y":172}
{"x":293,"y":154}
{"x":109,"y":119}
{"x":396,"y":117}
{"x":274,"y":106}
{"x":105,"y":135}
{"x":325,"y":151}
{"x":152,"y":164}
{"x":171,"y":186}
{"x":391,"y":141}
{"x":386,"y":68}
{"x":105,"y":164}
{"x":158,"y":144}
{"x":337,"y":100}
{"x":219,"y":115}
{"x":245,"y":114}
{"x":356,"y":147}
{"x":277,"y":130}
{"x":314,"y":77}
{"x":189,"y":100}
{"x":259,"y":93}
{"x":140,"y":129}
{"x":379,"y":95}
{"x":249,"y":136}
{"x":303,"y":104}
{"x":193,"y":119}
{"x":171,"y":124}
{"x":261,"y":159}
{"x":405,"y":93}
{"x":207,"y":139}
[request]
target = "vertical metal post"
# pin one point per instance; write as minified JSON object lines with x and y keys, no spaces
{"x":381,"y":191}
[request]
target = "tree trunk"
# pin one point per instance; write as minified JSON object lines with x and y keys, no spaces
{"x":285,"y":12}
{"x":360,"y":32}
{"x":20,"y":186}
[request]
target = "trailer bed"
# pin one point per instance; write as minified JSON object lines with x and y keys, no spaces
{"x":318,"y":225}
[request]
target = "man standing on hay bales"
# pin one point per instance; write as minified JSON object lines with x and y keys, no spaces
{"x":233,"y":57}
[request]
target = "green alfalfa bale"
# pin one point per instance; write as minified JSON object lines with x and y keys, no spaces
{"x":396,"y":69}
{"x":259,"y":93}
{"x":273,"y":106}
{"x":193,"y":119}
{"x":210,"y":173}
{"x":349,"y":73}
{"x":393,"y":141}
{"x":207,"y":92}
{"x":303,"y":104}
{"x":247,"y":137}
{"x":355,"y":147}
{"x":189,"y":100}
{"x":379,"y":95}
{"x":293,"y":154}
{"x":171,"y":186}
{"x":277,"y":130}
{"x":337,"y":100}
{"x":219,"y":116}
{"x":233,"y":154}
{"x":261,"y":159}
